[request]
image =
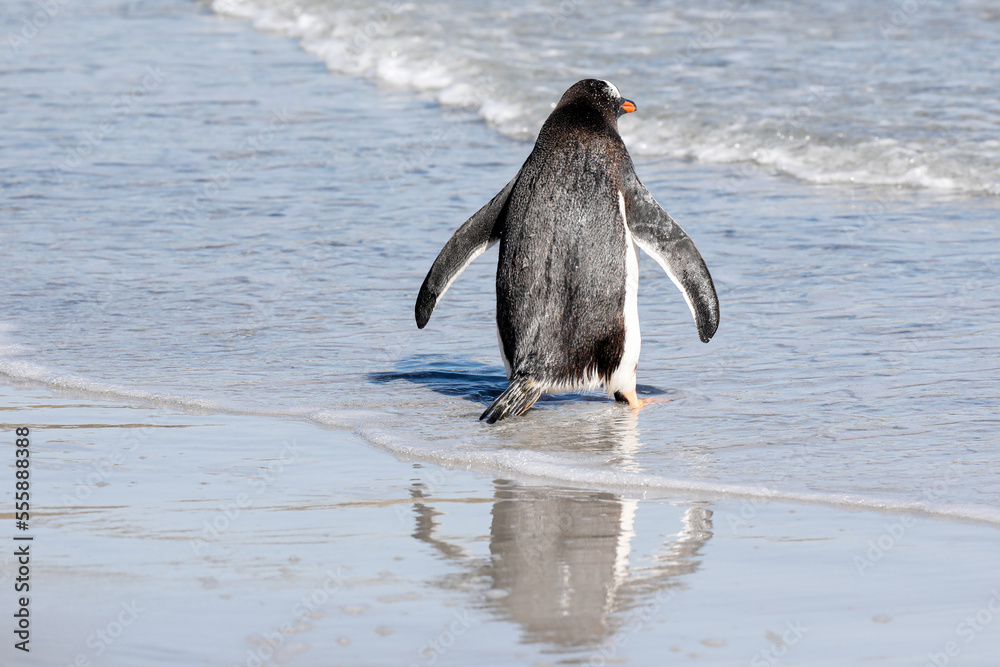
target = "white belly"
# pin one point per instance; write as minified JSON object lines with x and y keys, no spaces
{"x":623,"y":379}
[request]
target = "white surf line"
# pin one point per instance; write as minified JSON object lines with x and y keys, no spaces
{"x":26,"y":371}
{"x":520,"y":466}
{"x":538,"y":467}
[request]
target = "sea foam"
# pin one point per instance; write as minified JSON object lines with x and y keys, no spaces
{"x":512,"y":73}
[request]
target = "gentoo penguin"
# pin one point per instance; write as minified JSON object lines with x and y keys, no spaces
{"x":567,"y":278}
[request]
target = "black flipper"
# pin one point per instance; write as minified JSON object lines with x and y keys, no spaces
{"x":663,"y":239}
{"x":520,"y":395}
{"x":471,"y":240}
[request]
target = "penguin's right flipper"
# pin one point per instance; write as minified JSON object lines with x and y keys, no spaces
{"x":515,"y":400}
{"x":660,"y":237}
{"x":472,"y":239}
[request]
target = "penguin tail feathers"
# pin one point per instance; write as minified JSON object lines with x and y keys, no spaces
{"x":515,"y":400}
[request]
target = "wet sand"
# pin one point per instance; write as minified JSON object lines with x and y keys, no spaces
{"x":163,"y":537}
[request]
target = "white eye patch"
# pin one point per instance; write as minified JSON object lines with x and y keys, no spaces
{"x":613,"y":88}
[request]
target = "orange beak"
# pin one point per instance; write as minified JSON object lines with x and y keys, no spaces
{"x":628,"y":106}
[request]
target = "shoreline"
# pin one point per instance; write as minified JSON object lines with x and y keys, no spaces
{"x":510,"y":467}
{"x":311,"y":543}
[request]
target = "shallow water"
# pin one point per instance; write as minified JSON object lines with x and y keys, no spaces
{"x":895,"y":93}
{"x":211,"y":247}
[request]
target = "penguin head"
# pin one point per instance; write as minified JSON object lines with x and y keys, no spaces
{"x":600,"y":95}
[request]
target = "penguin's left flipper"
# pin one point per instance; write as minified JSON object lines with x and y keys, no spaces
{"x":661,"y":238}
{"x":473,"y":238}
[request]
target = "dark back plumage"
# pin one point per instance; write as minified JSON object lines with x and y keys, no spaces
{"x":561,"y":274}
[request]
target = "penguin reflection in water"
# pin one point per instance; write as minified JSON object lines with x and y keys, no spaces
{"x":567,"y":278}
